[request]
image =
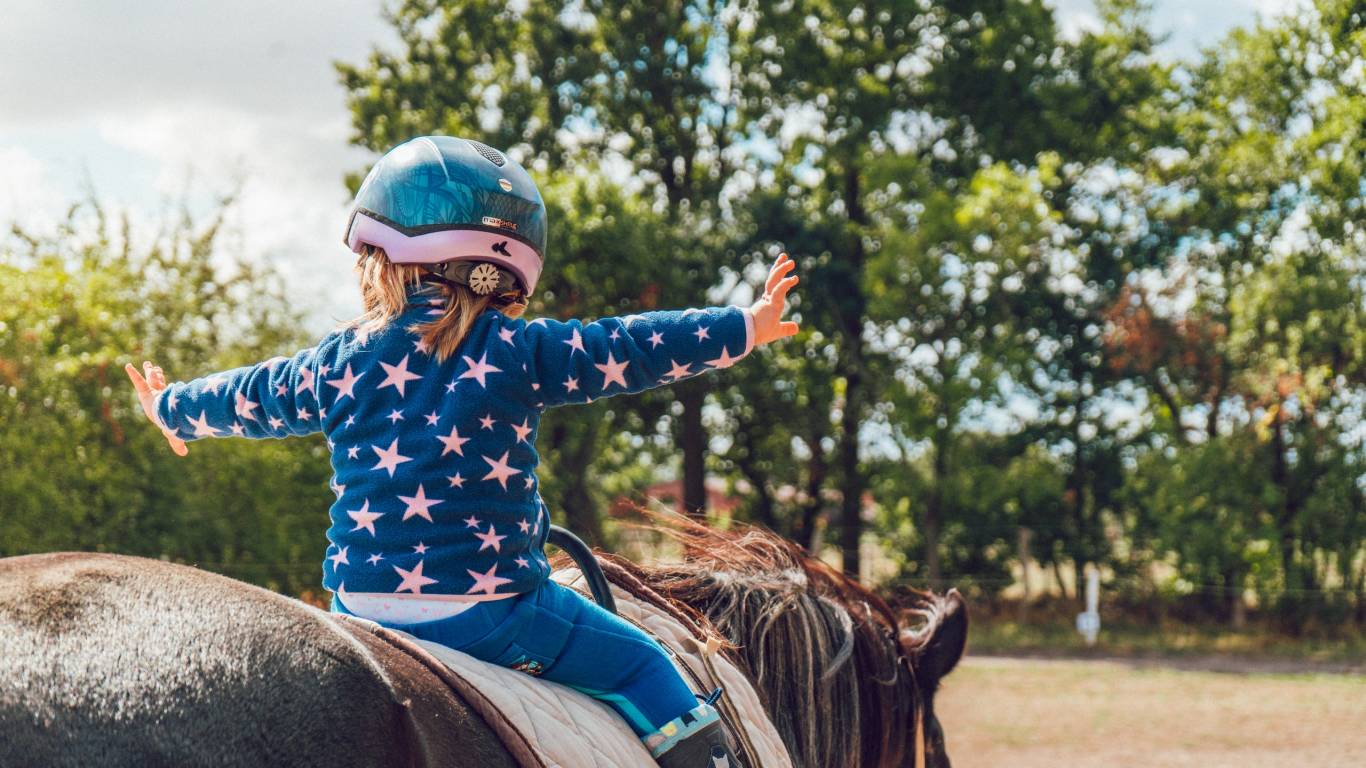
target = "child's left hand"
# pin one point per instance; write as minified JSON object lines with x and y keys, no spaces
{"x":148,"y":388}
{"x":768,"y":310}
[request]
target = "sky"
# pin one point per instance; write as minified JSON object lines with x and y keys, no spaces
{"x":151,"y":102}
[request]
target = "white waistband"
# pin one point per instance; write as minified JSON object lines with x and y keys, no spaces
{"x":401,"y":609}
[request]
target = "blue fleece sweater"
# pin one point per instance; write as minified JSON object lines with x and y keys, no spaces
{"x":435,"y":462}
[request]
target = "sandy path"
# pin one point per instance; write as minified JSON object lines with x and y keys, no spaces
{"x":1028,"y":713}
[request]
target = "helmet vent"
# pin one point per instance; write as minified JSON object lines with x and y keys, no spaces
{"x":490,"y":154}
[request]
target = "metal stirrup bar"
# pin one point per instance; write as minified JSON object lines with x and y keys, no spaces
{"x":587,"y":563}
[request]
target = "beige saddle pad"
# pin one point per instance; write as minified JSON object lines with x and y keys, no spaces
{"x":562,"y":728}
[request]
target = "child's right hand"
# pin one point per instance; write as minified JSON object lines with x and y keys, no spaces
{"x":147,"y":389}
{"x":768,"y":310}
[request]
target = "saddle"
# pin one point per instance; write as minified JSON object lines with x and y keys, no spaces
{"x":547,"y":725}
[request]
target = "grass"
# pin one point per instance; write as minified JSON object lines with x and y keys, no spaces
{"x":1031,"y":713}
{"x":1050,"y":634}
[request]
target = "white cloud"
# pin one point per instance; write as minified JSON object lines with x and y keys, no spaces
{"x":290,"y":204}
{"x":154,"y":100}
{"x":77,"y":57}
{"x":28,"y":195}
{"x":1189,"y":24}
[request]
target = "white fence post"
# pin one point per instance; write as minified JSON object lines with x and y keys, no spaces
{"x":1088,"y":622}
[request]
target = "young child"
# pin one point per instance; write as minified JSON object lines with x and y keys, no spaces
{"x":430,"y":402}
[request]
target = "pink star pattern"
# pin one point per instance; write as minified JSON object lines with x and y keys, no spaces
{"x":500,"y":471}
{"x":612,"y":371}
{"x":419,"y":505}
{"x":346,"y":385}
{"x":490,"y":539}
{"x":453,"y":442}
{"x":365,"y":519}
{"x":678,"y":371}
{"x":478,"y":371}
{"x":244,"y":407}
{"x":519,"y":360}
{"x":202,"y":428}
{"x":575,"y":342}
{"x":398,"y":376}
{"x":413,"y":581}
{"x":339,"y":558}
{"x":389,"y":458}
{"x":487,"y":582}
{"x":724,"y":361}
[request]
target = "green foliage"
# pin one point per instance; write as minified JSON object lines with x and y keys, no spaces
{"x":1055,"y":284}
{"x":1051,"y":284}
{"x":83,"y":469}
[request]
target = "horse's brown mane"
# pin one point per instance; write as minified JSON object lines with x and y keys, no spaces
{"x":831,"y":659}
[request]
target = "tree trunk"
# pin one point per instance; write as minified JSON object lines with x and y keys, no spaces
{"x":1022,"y":537}
{"x":805,"y":531}
{"x":852,"y":308}
{"x":572,"y":458}
{"x":580,"y":512}
{"x":1285,"y":524}
{"x":692,"y":394}
{"x":934,"y":503}
{"x":1237,"y":608}
{"x":747,"y":461}
{"x":1057,"y":574}
{"x":1080,"y":533}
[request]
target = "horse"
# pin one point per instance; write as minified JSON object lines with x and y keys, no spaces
{"x":125,"y":661}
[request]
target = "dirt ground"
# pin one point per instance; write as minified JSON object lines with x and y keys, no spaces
{"x":1032,"y":713}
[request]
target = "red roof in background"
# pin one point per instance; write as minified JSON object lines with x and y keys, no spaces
{"x":671,"y":495}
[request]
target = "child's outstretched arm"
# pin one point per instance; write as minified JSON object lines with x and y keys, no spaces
{"x":276,"y":398}
{"x":575,"y":362}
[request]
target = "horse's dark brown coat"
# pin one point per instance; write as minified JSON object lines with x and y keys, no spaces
{"x":116,"y":661}
{"x":123,"y":661}
{"x":844,"y":677}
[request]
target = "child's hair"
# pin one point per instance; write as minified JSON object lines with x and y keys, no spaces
{"x":384,"y":289}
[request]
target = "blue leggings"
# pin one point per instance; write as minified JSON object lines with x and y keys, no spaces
{"x":556,"y":633}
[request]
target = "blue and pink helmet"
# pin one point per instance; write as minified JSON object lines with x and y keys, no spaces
{"x":462,"y":209}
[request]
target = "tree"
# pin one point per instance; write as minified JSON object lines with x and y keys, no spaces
{"x":83,"y":468}
{"x":576,"y":85}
